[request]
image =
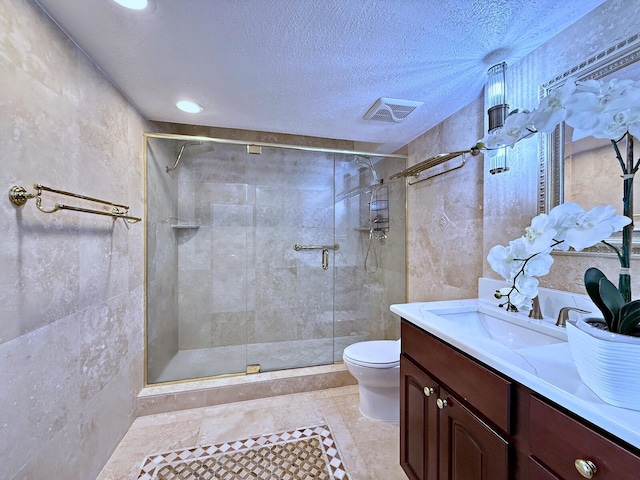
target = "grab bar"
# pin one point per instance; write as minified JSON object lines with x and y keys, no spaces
{"x":297,"y":247}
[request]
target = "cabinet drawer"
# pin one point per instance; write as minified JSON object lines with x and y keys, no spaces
{"x":557,"y":440}
{"x":538,"y":472}
{"x":487,"y":391}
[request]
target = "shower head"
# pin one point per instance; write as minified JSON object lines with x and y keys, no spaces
{"x":175,"y":165}
{"x":367,"y":162}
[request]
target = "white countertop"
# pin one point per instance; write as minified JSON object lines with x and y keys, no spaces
{"x":546,"y":369}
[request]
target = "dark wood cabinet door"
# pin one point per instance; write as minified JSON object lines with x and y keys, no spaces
{"x":469,"y":448}
{"x":418,"y":422}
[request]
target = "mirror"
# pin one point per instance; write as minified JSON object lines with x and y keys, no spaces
{"x":568,"y":165}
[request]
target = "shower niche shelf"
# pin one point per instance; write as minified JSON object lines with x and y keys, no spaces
{"x":184,"y":226}
{"x":178,"y":223}
{"x":181,"y":224}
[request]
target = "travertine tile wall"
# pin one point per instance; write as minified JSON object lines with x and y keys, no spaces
{"x":483,"y":210}
{"x":445,"y":213}
{"x":71,"y":283}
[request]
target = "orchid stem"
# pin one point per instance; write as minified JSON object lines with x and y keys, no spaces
{"x":619,"y":156}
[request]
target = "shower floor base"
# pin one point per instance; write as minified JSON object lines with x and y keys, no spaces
{"x":214,"y":361}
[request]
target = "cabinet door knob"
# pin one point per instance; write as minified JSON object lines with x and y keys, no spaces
{"x":441,"y":403}
{"x":428,"y":391}
{"x":586,"y":468}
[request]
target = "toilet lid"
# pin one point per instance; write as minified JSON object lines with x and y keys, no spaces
{"x":375,"y":353}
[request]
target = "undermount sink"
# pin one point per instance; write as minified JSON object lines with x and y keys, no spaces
{"x":481,"y":321}
{"x":508,"y":333}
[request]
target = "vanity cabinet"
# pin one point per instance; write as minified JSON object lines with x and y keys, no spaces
{"x":443,"y":435}
{"x":459,"y":420}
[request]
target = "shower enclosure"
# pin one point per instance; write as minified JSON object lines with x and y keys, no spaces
{"x":256,"y":261}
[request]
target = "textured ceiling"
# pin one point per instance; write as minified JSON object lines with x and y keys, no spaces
{"x":309,"y":67}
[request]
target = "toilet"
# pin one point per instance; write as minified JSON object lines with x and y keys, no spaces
{"x":376,"y":366}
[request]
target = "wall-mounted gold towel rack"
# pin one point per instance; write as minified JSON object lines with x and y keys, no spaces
{"x":19,"y":196}
{"x":418,"y":168}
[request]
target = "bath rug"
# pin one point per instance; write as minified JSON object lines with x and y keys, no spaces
{"x":306,"y":453}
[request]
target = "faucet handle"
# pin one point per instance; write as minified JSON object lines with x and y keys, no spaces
{"x":563,"y":315}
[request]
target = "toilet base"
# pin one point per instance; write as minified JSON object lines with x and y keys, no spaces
{"x":380,"y":403}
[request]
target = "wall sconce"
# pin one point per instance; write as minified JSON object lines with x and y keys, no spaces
{"x":498,"y":163}
{"x":497,"y":110}
{"x":497,"y":107}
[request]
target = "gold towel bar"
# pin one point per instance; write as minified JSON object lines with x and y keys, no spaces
{"x":19,"y":196}
{"x":414,"y":171}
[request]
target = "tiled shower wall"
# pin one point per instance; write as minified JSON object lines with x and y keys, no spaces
{"x":70,"y":283}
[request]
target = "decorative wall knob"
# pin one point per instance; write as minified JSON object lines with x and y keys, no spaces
{"x":586,"y":468}
{"x":442,"y":403}
{"x":428,"y":391}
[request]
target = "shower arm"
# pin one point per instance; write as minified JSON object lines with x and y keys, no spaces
{"x":175,"y":165}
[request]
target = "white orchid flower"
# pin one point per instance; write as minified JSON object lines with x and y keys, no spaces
{"x":552,"y":109}
{"x":502,"y":261}
{"x":518,"y":125}
{"x":604,"y":110}
{"x":526,"y":290}
{"x":614,"y":125}
{"x":539,"y":264}
{"x":563,"y":217}
{"x":540,"y":234}
{"x":588,"y":228}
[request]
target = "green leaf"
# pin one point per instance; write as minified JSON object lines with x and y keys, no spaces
{"x":613,"y":301}
{"x":629,"y":318}
{"x":592,"y":283}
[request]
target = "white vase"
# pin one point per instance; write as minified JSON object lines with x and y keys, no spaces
{"x":608,"y":363}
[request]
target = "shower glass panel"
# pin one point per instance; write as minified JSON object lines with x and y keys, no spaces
{"x":370,"y":265}
{"x":291,"y":316}
{"x":225,"y":288}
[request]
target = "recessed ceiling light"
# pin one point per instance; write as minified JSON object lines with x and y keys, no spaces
{"x":133,"y":4}
{"x":189,"y":107}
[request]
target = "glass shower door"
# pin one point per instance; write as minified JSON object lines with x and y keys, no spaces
{"x":290,"y":317}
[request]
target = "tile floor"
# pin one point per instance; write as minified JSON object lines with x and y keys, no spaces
{"x":369,"y":449}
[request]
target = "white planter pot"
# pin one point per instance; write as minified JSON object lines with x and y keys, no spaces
{"x":608,"y":363}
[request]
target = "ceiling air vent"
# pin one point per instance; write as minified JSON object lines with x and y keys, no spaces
{"x":391,"y":110}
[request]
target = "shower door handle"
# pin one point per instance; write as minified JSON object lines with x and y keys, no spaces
{"x":325,"y":251}
{"x":325,"y":259}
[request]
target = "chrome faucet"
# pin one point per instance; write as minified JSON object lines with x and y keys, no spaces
{"x":563,"y":315}
{"x":535,"y":312}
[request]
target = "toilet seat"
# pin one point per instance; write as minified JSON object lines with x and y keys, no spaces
{"x":373,"y":354}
